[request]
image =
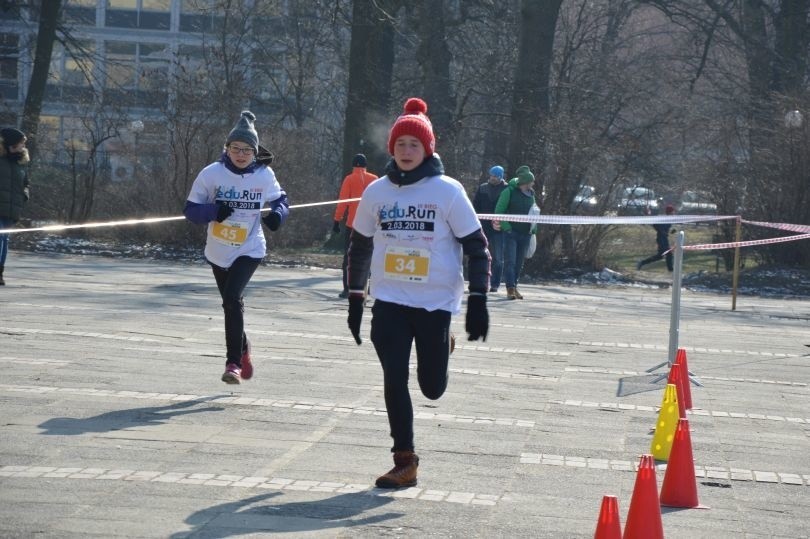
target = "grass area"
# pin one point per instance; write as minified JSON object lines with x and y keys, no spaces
{"x":625,"y":245}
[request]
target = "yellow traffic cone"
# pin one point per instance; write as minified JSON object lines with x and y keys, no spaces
{"x":667,"y":424}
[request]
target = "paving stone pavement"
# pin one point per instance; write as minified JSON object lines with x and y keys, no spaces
{"x":114,"y":422}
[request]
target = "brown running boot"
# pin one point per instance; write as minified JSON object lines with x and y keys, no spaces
{"x":510,"y":293}
{"x":403,"y":474}
{"x":518,"y":295}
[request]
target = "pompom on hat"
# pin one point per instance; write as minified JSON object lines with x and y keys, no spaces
{"x":413,"y":122}
{"x":244,"y":131}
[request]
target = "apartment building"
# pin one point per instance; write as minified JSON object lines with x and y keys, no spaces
{"x":112,"y":66}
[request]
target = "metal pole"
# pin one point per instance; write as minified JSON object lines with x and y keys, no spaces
{"x":675,"y":308}
{"x":735,"y":276}
{"x":675,"y":311}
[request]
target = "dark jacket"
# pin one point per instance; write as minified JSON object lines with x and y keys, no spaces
{"x":662,"y":236}
{"x":487,"y":196}
{"x":13,"y":184}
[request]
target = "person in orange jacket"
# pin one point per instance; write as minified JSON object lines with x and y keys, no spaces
{"x":353,"y":186}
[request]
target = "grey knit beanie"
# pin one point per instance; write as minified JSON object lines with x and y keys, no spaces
{"x":244,"y":131}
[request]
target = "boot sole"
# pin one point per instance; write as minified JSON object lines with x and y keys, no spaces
{"x":391,"y":484}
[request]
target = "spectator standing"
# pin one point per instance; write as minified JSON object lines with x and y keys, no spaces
{"x":228,"y":196}
{"x":352,"y":187}
{"x":517,"y":199}
{"x":411,"y":230}
{"x":14,"y":187}
{"x":484,"y":201}
{"x":662,"y":232}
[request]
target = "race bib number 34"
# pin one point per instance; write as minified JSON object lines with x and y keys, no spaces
{"x":405,"y":264}
{"x":230,"y":233}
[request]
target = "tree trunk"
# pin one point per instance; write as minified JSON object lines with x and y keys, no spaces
{"x":530,"y":98}
{"x":48,"y":19}
{"x":371,"y":60}
{"x":433,"y":55}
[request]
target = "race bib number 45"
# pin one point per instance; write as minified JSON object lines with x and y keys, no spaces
{"x":407,"y":264}
{"x":232,"y":233}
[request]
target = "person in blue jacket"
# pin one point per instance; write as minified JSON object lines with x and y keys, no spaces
{"x":228,"y":196}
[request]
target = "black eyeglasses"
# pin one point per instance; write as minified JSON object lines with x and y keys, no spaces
{"x":238,"y":150}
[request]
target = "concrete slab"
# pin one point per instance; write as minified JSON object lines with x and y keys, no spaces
{"x":114,"y":423}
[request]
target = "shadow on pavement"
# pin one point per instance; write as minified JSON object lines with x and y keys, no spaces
{"x":123,"y":419}
{"x":631,"y":385}
{"x":251,"y":515}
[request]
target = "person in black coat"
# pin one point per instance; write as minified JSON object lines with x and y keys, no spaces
{"x":662,"y":232}
{"x":486,"y":196}
{"x":13,"y":185}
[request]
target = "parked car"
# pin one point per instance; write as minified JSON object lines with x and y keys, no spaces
{"x":585,"y":202}
{"x":638,"y":201}
{"x":696,"y":203}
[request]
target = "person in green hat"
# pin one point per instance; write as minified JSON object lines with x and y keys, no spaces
{"x":517,"y":199}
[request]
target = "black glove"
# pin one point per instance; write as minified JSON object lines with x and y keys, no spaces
{"x":272,"y":220}
{"x":477,"y":320}
{"x":356,"y":315}
{"x":336,"y":228}
{"x":223,"y":212}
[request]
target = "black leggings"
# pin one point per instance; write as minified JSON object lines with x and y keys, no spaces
{"x":393,"y":329}
{"x":231,"y":283}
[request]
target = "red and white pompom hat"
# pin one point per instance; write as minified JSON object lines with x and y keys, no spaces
{"x":413,"y":122}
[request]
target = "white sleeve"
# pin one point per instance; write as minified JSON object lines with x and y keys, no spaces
{"x":364,"y":220}
{"x":200,"y":193}
{"x":462,"y":218}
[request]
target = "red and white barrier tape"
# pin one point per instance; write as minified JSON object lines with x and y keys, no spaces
{"x":595,"y":220}
{"x":733,"y":244}
{"x":780,"y":226}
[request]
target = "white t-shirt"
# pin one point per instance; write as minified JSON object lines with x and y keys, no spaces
{"x":417,"y":260}
{"x":240,"y":234}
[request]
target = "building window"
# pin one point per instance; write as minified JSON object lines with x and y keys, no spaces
{"x":143,"y":14}
{"x":143,"y":67}
{"x":200,"y":16}
{"x":81,"y":12}
{"x":121,"y":64}
{"x":9,"y":58}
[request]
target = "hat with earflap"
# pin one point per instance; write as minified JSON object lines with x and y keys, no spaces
{"x":413,"y":122}
{"x":11,"y":137}
{"x":244,"y":131}
{"x":524,"y":175}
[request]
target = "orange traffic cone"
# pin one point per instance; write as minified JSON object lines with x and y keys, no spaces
{"x":644,"y":515}
{"x":680,"y":359}
{"x":676,"y":377}
{"x":609,"y":526}
{"x":680,"y":486}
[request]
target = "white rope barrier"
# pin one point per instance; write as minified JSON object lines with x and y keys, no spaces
{"x":146,"y":220}
{"x":533,"y":219}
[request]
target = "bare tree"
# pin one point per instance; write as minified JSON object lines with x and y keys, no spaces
{"x":46,"y":35}
{"x":371,"y":61}
{"x":530,"y":97}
